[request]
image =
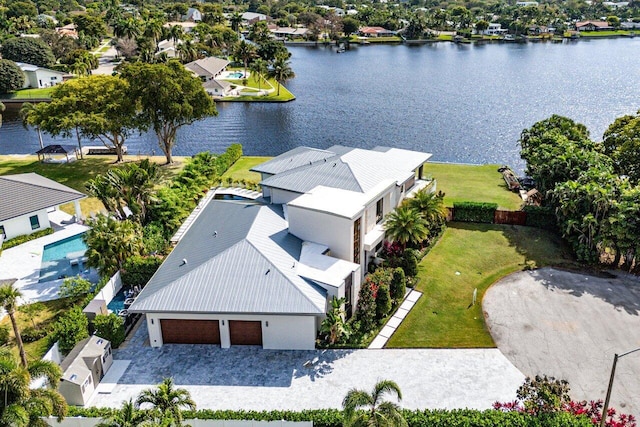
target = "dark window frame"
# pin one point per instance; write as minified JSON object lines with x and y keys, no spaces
{"x":34,"y":224}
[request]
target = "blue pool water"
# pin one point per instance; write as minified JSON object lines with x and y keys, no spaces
{"x":229,"y":197}
{"x":237,"y":75}
{"x":117,"y":303}
{"x":56,"y":260}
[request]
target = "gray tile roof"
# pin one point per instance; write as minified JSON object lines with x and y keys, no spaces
{"x":207,"y":66}
{"x":29,"y":192}
{"x":299,"y":156}
{"x":240,"y":258}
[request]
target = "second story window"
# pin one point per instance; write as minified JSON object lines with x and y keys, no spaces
{"x":379,"y":211}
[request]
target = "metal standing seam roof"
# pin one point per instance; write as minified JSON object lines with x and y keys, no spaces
{"x":26,"y":193}
{"x":240,"y":258}
{"x":299,"y":156}
{"x":330,"y":173}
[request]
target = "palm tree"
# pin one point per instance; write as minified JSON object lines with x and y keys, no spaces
{"x":281,"y":71}
{"x":430,"y":205}
{"x":28,"y":118}
{"x":377,"y":413}
{"x":176,"y":33}
{"x":187,"y":51}
{"x":22,"y":406}
{"x":406,"y":226}
{"x":236,"y":20}
{"x":167,"y":400}
{"x":244,"y":52}
{"x":127,"y":416}
{"x":9,"y":295}
{"x":153,"y":30}
{"x":259,"y":68}
{"x":334,"y":326}
{"x":111,"y":242}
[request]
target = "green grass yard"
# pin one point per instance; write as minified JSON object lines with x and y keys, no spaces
{"x":467,"y":257}
{"x":473,"y":183}
{"x":254,"y":84}
{"x":29,"y":94}
{"x":240,"y":169}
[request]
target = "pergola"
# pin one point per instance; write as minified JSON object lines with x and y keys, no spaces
{"x":48,"y":153}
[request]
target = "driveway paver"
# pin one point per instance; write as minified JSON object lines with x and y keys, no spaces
{"x":251,"y":378}
{"x":569,"y":325}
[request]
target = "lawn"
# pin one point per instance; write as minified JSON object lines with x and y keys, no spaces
{"x":609,"y":33}
{"x":240,"y":169}
{"x":45,"y":318}
{"x":76,"y":174}
{"x":29,"y":94}
{"x":467,"y":257}
{"x":253,"y":83}
{"x":473,"y":183}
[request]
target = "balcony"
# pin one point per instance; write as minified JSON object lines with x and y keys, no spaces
{"x":419,"y":184}
{"x":373,"y":237}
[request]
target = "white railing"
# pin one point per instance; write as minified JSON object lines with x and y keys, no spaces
{"x":110,"y":289}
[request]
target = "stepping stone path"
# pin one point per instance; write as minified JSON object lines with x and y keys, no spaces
{"x":392,"y":324}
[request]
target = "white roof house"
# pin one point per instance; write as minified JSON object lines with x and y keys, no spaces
{"x":39,"y":77}
{"x":263,"y":272}
{"x":193,"y":15}
{"x":207,"y":68}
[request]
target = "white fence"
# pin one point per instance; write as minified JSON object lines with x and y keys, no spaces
{"x":110,"y":289}
{"x":92,"y":422}
{"x":53,"y":354}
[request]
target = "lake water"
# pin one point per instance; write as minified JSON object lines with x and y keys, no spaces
{"x":463,"y":103}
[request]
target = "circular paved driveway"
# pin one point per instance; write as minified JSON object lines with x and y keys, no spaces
{"x":569,"y":326}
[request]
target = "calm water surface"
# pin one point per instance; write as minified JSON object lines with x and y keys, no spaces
{"x":462,"y":103}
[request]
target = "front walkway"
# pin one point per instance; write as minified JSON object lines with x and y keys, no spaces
{"x":23,"y":262}
{"x":251,"y":378}
{"x":410,"y":300}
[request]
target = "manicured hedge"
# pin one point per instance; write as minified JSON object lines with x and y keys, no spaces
{"x":474,"y":212}
{"x":138,"y":270}
{"x":425,"y":418}
{"x":18,"y":240}
{"x":541,"y":217}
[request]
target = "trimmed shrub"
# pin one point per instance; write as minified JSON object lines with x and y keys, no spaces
{"x":18,"y":240}
{"x":409,"y":262}
{"x":474,"y":212}
{"x":138,"y":270}
{"x":366,"y":309}
{"x":74,"y":287}
{"x":383,"y":301}
{"x":110,"y":327}
{"x":71,"y":328}
{"x":398,"y":285}
{"x":541,"y":217}
{"x":31,"y":334}
{"x":11,"y":76}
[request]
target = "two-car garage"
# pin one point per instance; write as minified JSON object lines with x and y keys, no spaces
{"x":188,"y":331}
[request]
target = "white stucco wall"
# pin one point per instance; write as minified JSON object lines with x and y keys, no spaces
{"x":331,"y":230}
{"x":282,"y":333}
{"x":22,"y":225}
{"x":280,"y":197}
{"x":42,"y":78}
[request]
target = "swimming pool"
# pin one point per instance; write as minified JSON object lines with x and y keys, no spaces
{"x":236,"y":75}
{"x":57,"y":260}
{"x":117,"y":303}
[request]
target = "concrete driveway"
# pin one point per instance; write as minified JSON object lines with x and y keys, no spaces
{"x":569,"y":326}
{"x":254,"y":379}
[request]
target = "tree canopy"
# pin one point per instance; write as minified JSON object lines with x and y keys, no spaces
{"x":28,"y":50}
{"x":622,"y":143}
{"x":168,"y":97}
{"x":11,"y":76}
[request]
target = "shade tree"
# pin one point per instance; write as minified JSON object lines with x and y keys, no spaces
{"x":28,"y":50}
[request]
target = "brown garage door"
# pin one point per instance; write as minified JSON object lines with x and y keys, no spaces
{"x":245,"y":332}
{"x":175,"y":331}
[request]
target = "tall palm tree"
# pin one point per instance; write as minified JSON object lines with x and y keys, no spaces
{"x":127,"y":416}
{"x":28,"y":118}
{"x":111,"y":242}
{"x":236,"y":20}
{"x":259,"y":68}
{"x":153,"y":30}
{"x":406,"y":226}
{"x":22,"y":406}
{"x":176,"y":33}
{"x":377,"y":412}
{"x":244,"y":52}
{"x":281,"y":71}
{"x":167,"y":400}
{"x":9,"y":295}
{"x":430,"y":205}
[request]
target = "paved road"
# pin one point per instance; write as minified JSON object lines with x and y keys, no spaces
{"x":252,"y":378}
{"x":569,"y":326}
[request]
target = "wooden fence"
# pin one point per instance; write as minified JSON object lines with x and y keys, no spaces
{"x":500,"y":217}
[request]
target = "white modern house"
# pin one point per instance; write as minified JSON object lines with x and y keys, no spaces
{"x":39,"y":77}
{"x":263,"y":272}
{"x":26,"y":200}
{"x":193,"y":15}
{"x":83,"y":368}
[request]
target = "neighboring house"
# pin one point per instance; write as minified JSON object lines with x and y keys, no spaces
{"x":249,"y":18}
{"x":207,"y":69}
{"x":615,"y":5}
{"x":39,"y":77}
{"x":168,"y":48}
{"x":187,"y":27}
{"x":593,"y":26}
{"x":282,"y":33}
{"x":527,"y":3}
{"x":193,"y":15}
{"x":83,"y":368}
{"x":537,"y":30}
{"x":218,"y":88}
{"x":26,"y":199}
{"x":630,"y":25}
{"x":375,"y":32}
{"x":494,"y":29}
{"x":68,"y":30}
{"x":336,"y":10}
{"x":264,"y":272}
{"x":46,"y":19}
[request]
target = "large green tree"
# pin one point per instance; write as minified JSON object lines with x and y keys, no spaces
{"x":98,"y":107}
{"x":166,"y":401}
{"x":622,"y":143}
{"x":111,"y":242}
{"x":23,"y":406}
{"x":363,"y":409}
{"x":168,"y":97}
{"x":9,"y":296}
{"x":244,"y":52}
{"x":11,"y":76}
{"x":28,"y":50}
{"x":406,"y":226}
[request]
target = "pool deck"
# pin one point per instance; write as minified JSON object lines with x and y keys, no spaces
{"x":23,"y":262}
